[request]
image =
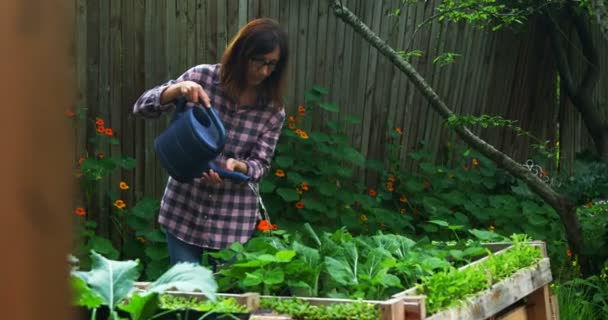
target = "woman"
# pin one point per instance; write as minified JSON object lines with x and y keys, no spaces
{"x":246,"y":91}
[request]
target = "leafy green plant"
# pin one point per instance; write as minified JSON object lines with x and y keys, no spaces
{"x":111,"y":282}
{"x":302,"y":310}
{"x":451,"y":287}
{"x":583,"y":298}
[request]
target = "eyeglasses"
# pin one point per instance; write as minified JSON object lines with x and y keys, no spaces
{"x":259,"y":63}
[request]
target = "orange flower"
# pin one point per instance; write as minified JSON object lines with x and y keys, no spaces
{"x":81,"y":160}
{"x":381,"y":225}
{"x":402,"y":210}
{"x":304,"y":186}
{"x":80,"y":211}
{"x":69,"y":113}
{"x":101,"y":129}
{"x":391,"y":179}
{"x":141,"y":239}
{"x":299,"y":131}
{"x":372,"y":192}
{"x":403,"y":199}
{"x":543,"y":173}
{"x":475,"y":162}
{"x":274,"y":227}
{"x":398,"y":130}
{"x":109,"y":132}
{"x":264,"y":225}
{"x":299,"y":191}
{"x":301,"y":110}
{"x":569,"y":253}
{"x":491,"y":228}
{"x":291,"y":119}
{"x":119,"y":204}
{"x":101,"y":156}
{"x":123,"y":185}
{"x":390,"y":187}
{"x":589,"y":204}
{"x":292,"y":126}
{"x":303,"y":135}
{"x":363,"y":218}
{"x":99,"y":122}
{"x":299,"y":205}
{"x":279,"y":173}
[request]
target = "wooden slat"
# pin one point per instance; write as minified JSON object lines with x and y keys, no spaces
{"x":539,"y":305}
{"x":515,"y":314}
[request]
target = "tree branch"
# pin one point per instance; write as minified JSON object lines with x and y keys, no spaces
{"x":563,"y":206}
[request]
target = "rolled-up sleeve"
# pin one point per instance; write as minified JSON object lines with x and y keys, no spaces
{"x":148,"y":104}
{"x":258,"y":163}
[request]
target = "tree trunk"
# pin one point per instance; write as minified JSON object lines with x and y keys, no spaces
{"x":562,"y":205}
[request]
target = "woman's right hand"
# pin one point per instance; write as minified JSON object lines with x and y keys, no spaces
{"x":189,"y":89}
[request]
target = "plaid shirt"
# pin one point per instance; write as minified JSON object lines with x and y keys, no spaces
{"x":208,"y":215}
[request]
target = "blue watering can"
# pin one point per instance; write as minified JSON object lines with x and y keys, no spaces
{"x":192,"y":142}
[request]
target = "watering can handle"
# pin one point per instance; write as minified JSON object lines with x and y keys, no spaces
{"x":232,"y":175}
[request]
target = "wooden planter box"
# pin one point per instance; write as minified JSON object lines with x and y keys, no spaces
{"x":529,"y":285}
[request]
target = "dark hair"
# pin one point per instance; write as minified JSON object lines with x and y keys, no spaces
{"x":258,"y":37}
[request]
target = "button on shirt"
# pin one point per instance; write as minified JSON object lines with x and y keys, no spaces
{"x":209,"y":215}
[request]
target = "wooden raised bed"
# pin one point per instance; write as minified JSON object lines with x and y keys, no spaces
{"x":529,"y":285}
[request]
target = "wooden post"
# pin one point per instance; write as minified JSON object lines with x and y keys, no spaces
{"x":539,"y":305}
{"x":392,"y":310}
{"x":36,"y":162}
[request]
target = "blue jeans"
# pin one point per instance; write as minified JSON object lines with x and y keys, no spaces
{"x":180,"y":251}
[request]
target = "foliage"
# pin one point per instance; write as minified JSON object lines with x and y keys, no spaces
{"x":302,"y":310}
{"x":583,"y":298}
{"x":449,"y":288}
{"x":110,"y":282}
{"x":339,"y":264}
{"x":138,"y":237}
{"x":221,"y":306}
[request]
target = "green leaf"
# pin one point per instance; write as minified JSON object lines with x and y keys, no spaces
{"x":127,"y":162}
{"x":267,"y":186}
{"x":288,"y":194}
{"x":440,"y":223}
{"x":157,"y":252}
{"x":83,"y":295}
{"x":253,"y":279}
{"x":284,"y":161}
{"x":103,"y":246}
{"x":141,"y":307}
{"x":185,"y":276}
{"x":274,"y":276}
{"x":285,"y":255}
{"x":484,"y":235}
{"x":331,"y":107}
{"x":109,"y":279}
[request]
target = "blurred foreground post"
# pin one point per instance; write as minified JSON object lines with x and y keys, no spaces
{"x":35,"y":229}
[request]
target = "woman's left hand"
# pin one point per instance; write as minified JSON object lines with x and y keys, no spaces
{"x":212,"y":177}
{"x":236,"y":165}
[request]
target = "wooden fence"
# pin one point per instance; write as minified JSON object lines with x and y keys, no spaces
{"x":126,"y":46}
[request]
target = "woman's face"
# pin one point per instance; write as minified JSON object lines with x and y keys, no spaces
{"x":260,"y":67}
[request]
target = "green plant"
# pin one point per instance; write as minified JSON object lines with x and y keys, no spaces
{"x":134,"y":234}
{"x":302,"y":310}
{"x":451,"y":287}
{"x":110,"y":282}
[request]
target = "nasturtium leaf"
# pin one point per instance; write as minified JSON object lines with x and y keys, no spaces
{"x":288,"y":194}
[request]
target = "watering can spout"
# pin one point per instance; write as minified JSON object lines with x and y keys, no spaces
{"x":191,"y":144}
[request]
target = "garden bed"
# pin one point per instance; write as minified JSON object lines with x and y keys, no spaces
{"x":528,"y":284}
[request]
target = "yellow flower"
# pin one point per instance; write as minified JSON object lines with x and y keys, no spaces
{"x":119,"y":204}
{"x":123,"y":185}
